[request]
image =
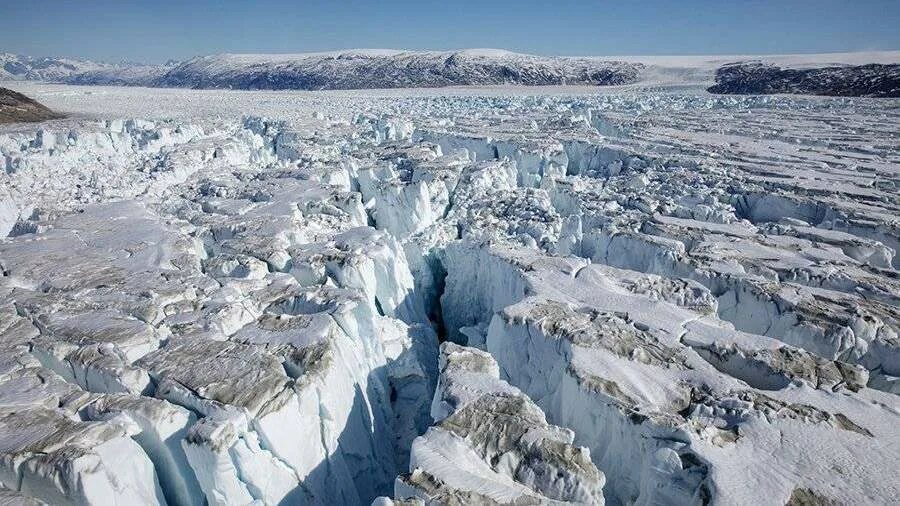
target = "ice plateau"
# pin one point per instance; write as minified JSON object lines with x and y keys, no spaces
{"x":472,"y":297}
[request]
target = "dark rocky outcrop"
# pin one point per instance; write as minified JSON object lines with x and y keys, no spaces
{"x":758,"y":78}
{"x":17,"y":108}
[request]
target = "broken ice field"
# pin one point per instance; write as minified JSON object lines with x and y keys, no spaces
{"x":622,"y":298}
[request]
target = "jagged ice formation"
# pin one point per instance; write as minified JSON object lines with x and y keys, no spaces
{"x":629,"y":298}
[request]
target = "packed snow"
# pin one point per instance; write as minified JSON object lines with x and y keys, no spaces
{"x":479,"y":296}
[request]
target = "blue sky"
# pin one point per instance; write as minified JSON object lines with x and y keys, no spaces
{"x":154,"y":31}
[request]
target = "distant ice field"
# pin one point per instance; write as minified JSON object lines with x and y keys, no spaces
{"x":110,"y":102}
{"x":176,"y":103}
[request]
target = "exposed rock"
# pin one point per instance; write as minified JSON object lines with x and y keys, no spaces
{"x":874,"y":80}
{"x":17,"y":108}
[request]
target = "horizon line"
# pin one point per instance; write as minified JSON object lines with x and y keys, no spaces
{"x":454,"y":50}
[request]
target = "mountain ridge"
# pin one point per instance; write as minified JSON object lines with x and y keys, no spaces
{"x":391,"y":68}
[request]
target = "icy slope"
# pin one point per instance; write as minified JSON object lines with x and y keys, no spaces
{"x":492,"y":444}
{"x":241,"y":354}
{"x":668,"y":416}
{"x":644,"y":298}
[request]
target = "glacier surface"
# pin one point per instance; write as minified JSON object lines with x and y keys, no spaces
{"x":449,"y":297}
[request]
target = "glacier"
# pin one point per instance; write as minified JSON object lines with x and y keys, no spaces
{"x":469,"y":296}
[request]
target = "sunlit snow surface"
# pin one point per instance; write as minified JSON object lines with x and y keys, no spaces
{"x":662,"y":297}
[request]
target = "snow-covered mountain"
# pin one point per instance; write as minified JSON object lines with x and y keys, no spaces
{"x":121,"y":75}
{"x":15,"y":67}
{"x":360,"y":69}
{"x":845,"y":74}
{"x":872,"y":80}
{"x":352,"y":69}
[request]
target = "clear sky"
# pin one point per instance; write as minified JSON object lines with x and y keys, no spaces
{"x":154,"y":31}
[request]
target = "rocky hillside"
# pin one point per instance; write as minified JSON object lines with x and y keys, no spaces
{"x":339,"y":70}
{"x":758,"y":78}
{"x":363,"y":69}
{"x":871,"y":74}
{"x":17,"y":108}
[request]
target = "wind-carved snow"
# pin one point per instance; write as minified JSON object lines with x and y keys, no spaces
{"x":639,"y":298}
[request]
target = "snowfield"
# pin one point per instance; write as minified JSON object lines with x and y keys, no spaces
{"x":457,"y":296}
